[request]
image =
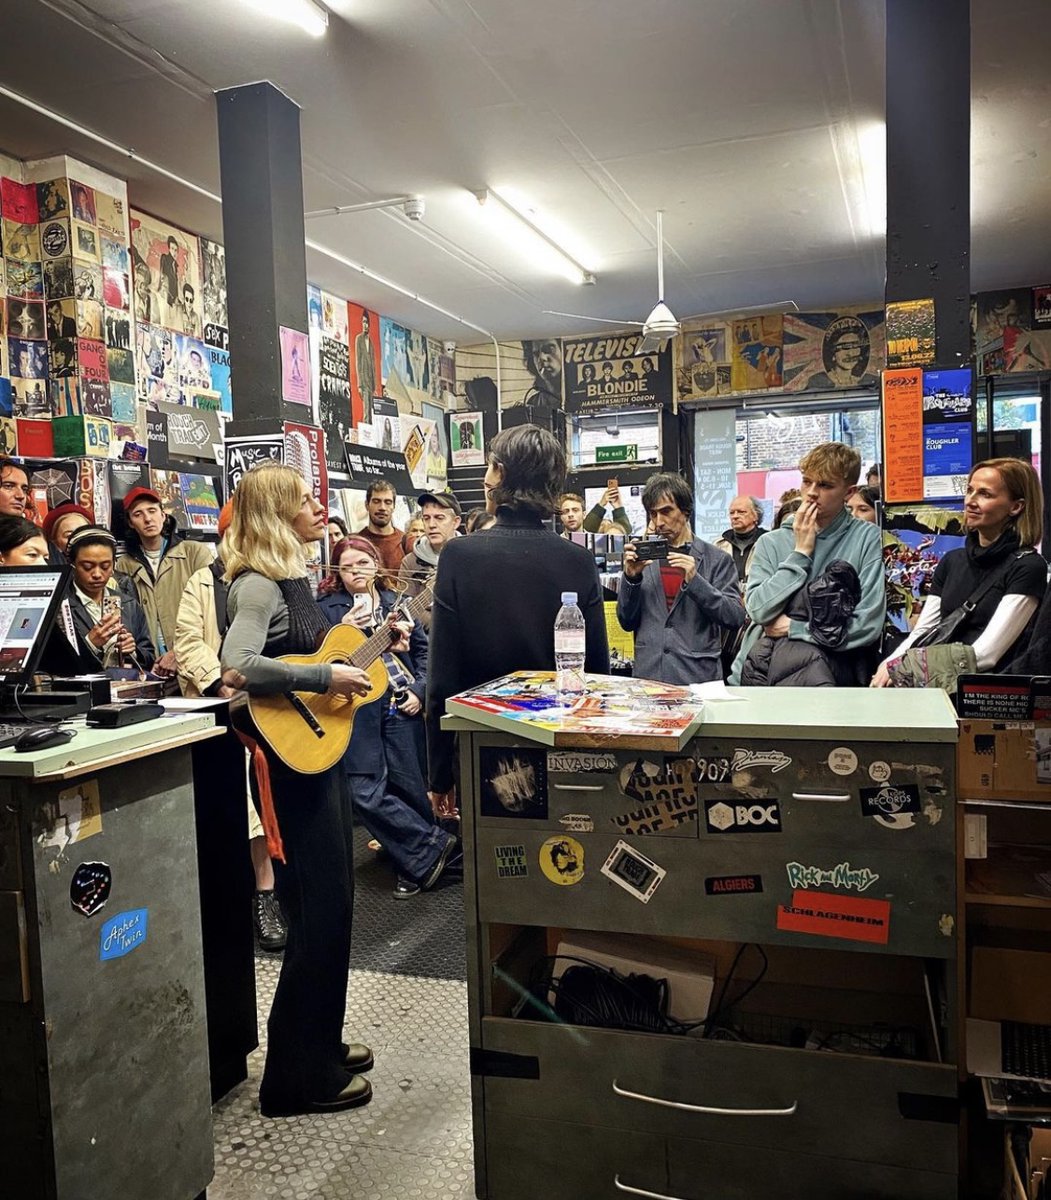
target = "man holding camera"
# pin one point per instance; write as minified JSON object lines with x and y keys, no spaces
{"x":678,"y":593}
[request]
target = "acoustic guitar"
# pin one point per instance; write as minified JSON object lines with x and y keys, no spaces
{"x":310,"y":731}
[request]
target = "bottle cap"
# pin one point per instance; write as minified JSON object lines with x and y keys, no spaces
{"x":569,"y":597}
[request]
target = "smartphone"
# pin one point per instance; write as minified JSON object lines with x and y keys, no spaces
{"x":362,"y":605}
{"x":612,"y":483}
{"x":110,"y":606}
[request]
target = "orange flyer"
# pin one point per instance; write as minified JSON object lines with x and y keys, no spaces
{"x":902,"y":435}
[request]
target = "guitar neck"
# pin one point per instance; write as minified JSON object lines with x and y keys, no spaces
{"x":379,"y":643}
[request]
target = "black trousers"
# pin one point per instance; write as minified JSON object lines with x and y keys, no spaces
{"x":316,"y":888}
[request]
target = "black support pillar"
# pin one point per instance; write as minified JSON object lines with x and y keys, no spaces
{"x":929,"y":165}
{"x":260,"y":165}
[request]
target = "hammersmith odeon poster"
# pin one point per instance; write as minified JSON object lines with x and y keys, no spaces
{"x":604,"y":373}
{"x":703,"y":367}
{"x":757,"y":349}
{"x":166,"y":275}
{"x":833,"y":350}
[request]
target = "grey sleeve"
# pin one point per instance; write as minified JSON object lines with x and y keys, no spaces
{"x":256,"y":610}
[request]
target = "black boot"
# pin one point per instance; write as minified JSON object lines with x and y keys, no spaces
{"x":269,"y":921}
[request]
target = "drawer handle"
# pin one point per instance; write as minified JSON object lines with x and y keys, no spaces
{"x":623,"y":1187}
{"x":830,"y":797}
{"x":579,"y":787}
{"x":701,"y":1108}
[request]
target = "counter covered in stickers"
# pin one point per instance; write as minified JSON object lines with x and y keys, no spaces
{"x":789,"y":869}
{"x":100,"y":943}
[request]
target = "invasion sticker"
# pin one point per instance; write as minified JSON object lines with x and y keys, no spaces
{"x":733,"y":885}
{"x":633,"y":871}
{"x":841,"y":876}
{"x":888,"y":800}
{"x":572,"y":761}
{"x":827,"y":914}
{"x":511,"y":862}
{"x":562,"y":860}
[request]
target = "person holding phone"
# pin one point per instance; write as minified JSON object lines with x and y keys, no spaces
{"x":679,"y":605}
{"x":110,"y":624}
{"x":619,"y":516}
{"x":386,"y":759}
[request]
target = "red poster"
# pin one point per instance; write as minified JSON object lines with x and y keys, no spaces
{"x":828,"y":914}
{"x":305,"y":453}
{"x":91,"y":356}
{"x":364,"y":326}
{"x":902,"y":435}
{"x":19,"y":202}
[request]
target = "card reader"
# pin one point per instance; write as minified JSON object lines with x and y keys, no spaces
{"x":112,"y":716}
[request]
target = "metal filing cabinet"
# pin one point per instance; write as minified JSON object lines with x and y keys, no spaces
{"x":103,"y":1047}
{"x":828,"y":817}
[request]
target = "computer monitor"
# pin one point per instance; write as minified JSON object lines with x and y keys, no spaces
{"x":30,"y":598}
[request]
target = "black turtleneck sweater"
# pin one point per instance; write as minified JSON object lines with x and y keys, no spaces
{"x":496,"y":596}
{"x":960,"y":573}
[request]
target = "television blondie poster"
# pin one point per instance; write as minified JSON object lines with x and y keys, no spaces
{"x":601,"y":374}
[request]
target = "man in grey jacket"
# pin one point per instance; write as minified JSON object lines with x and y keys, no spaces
{"x":678,"y":607}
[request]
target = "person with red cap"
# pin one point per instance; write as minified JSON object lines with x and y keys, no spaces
{"x":199,"y":630}
{"x":159,"y":562}
{"x":60,"y":523}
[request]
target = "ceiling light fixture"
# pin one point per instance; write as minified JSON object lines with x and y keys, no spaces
{"x":520,"y":229}
{"x":306,"y":14}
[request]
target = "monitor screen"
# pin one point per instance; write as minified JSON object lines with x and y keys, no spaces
{"x":29,"y":599}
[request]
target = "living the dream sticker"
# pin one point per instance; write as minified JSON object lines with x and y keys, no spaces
{"x":123,"y":933}
{"x":511,"y":862}
{"x":562,"y":860}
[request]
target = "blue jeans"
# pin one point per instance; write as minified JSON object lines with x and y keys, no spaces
{"x":389,"y":790}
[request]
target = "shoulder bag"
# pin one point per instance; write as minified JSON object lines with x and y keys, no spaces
{"x":950,"y":626}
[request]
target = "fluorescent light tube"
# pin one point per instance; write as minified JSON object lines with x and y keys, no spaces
{"x":310,"y":17}
{"x":518,"y":227}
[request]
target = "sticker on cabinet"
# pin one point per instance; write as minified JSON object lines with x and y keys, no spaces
{"x":721,"y":817}
{"x":888,"y":801}
{"x":513,"y":782}
{"x":511,"y":862}
{"x":634,"y":872}
{"x":571,"y":761}
{"x":733,"y":885}
{"x":562,"y":860}
{"x":828,"y":914}
{"x":842,"y":761}
{"x":774,"y":759}
{"x":90,"y":887}
{"x":841,"y":876}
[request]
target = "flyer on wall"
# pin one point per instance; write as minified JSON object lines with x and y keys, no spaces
{"x":295,"y":367}
{"x":466,"y":439}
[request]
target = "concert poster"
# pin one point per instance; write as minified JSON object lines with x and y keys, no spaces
{"x":609,"y":372}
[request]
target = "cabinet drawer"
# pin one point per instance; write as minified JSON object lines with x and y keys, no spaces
{"x":527,"y":1158}
{"x":912,"y":902}
{"x":871,"y":1110}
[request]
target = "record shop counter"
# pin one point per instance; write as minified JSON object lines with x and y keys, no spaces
{"x":794,"y":850}
{"x":103,"y":1031}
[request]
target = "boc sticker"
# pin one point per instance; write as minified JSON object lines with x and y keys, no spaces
{"x":562,"y":860}
{"x":842,"y":761}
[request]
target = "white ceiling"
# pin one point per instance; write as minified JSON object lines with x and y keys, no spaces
{"x":749,"y":122}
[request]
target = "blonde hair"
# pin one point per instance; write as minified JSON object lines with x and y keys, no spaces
{"x":260,"y":537}
{"x":832,"y":460}
{"x":1022,"y":483}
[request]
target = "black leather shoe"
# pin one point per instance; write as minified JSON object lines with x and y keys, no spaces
{"x":357,"y":1092}
{"x":451,"y":853}
{"x":405,"y":888}
{"x":357,"y":1058}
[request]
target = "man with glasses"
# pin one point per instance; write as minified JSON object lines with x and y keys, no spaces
{"x":14,"y":489}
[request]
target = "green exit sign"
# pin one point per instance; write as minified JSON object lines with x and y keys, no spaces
{"x":616,"y":454}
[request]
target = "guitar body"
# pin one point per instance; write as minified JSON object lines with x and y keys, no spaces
{"x":310,"y":731}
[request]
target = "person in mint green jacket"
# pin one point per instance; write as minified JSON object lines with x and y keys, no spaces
{"x":610,"y":500}
{"x":821,"y":532}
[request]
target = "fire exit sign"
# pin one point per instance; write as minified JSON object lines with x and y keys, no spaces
{"x":616,"y":454}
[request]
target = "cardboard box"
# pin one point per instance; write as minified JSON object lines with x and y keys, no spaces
{"x":1010,"y":985}
{"x":1004,"y":760}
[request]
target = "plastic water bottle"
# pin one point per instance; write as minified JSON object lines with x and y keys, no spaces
{"x":569,"y":650}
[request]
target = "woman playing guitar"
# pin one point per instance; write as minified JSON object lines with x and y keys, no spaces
{"x":272,"y":612}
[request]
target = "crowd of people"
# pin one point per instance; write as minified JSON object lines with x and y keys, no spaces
{"x":460,"y":599}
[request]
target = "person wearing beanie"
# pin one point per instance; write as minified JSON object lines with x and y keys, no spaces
{"x":199,"y":628}
{"x":60,"y":523}
{"x":110,"y":625}
{"x":386,"y":759}
{"x":159,"y":562}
